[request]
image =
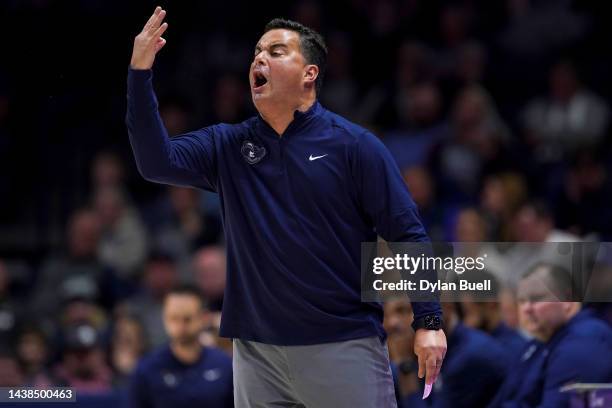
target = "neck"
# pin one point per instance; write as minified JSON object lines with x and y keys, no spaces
{"x":279,"y":119}
{"x":186,"y":353}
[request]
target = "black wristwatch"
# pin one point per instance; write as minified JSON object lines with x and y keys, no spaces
{"x":429,"y":322}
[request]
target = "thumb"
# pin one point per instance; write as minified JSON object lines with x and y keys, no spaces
{"x":160,"y":44}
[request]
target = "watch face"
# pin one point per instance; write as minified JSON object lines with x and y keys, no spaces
{"x":432,"y":322}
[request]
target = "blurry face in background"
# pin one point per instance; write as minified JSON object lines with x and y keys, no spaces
{"x":470,"y":108}
{"x":229,"y":99}
{"x":107,"y":171}
{"x":209,"y":265}
{"x":77,"y":310}
{"x":128,"y":334}
{"x":175,"y":118}
{"x":160,"y":277}
{"x":184,"y":319}
{"x":541,"y":313}
{"x":528,"y":227}
{"x":419,"y":182}
{"x":494,"y":196}
{"x":32,"y":349}
{"x":277,"y":72}
{"x":83,"y":234}
{"x":398,"y":316}
{"x":423,"y":104}
{"x":470,"y":227}
{"x":84,"y":363}
{"x":184,"y":199}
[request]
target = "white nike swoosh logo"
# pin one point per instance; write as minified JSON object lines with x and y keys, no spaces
{"x":311,"y":158}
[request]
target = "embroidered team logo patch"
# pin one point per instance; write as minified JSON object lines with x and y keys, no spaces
{"x":252,"y":153}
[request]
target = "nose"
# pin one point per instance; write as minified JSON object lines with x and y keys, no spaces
{"x":259,"y":59}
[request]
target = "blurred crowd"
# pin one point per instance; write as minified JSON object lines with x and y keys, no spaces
{"x":497,"y":113}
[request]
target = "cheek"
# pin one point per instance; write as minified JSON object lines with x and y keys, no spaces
{"x":287,"y":75}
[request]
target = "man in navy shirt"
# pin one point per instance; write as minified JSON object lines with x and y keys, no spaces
{"x":183,"y":373}
{"x":483,"y":311}
{"x":570,"y":344}
{"x":300,"y":189}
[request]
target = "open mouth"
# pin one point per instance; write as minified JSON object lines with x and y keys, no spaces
{"x":260,"y":79}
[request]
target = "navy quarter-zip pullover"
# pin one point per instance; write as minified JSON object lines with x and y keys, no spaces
{"x":295,"y":209}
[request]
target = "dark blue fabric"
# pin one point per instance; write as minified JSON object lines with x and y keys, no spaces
{"x":474,"y":367}
{"x":581,"y":351}
{"x":511,"y":340}
{"x":160,"y":380}
{"x":293,"y":222}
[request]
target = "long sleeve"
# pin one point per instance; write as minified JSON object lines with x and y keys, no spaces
{"x":186,"y":160}
{"x":387,"y":201}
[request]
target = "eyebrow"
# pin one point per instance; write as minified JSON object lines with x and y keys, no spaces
{"x":274,"y":45}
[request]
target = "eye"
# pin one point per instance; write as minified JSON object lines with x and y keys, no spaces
{"x":276,"y":53}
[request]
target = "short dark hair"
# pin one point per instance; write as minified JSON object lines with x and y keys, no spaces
{"x":186,"y":290}
{"x":312,"y":45}
{"x":559,"y":280}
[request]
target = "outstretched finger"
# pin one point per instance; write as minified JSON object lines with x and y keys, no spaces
{"x":431,"y":372}
{"x":158,"y":33}
{"x":152,"y":18}
{"x":157,"y":21}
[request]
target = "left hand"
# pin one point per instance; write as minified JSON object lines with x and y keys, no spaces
{"x":430,"y":348}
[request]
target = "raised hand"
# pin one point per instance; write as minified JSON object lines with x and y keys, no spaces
{"x":149,"y":41}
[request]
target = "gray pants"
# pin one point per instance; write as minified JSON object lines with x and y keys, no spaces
{"x":347,"y":374}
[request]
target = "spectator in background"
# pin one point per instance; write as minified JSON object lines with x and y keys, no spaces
{"x":400,"y":340}
{"x":470,"y":226}
{"x":475,"y":365}
{"x":229,"y":96}
{"x":123,"y":243}
{"x":575,"y":345}
{"x":107,"y":171}
{"x":78,"y":265}
{"x":209,"y":269}
{"x":471,"y":63}
{"x":79,"y":305}
{"x":340,"y":93}
{"x":422,"y":126}
{"x":570,"y":117}
{"x":433,"y":214}
{"x":11,"y":374}
{"x":535,"y":239}
{"x":478,"y":144}
{"x":34,"y":354}
{"x":175,"y":112}
{"x":179,"y":225}
{"x":584,"y":204}
{"x":128,"y":344}
{"x":183,"y":373}
{"x":500,"y":198}
{"x":483,"y":311}
{"x":534,"y":222}
{"x":83,"y":364}
{"x":160,"y":275}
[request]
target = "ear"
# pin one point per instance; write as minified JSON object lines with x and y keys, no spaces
{"x":311,"y":72}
